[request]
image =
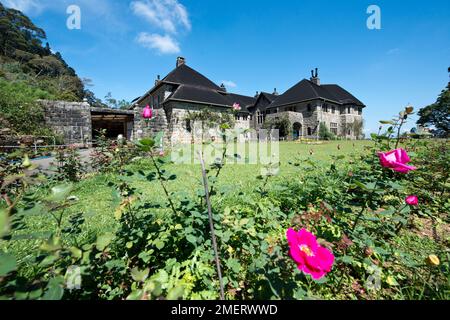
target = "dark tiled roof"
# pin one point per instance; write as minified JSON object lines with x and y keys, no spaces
{"x":188,"y":76}
{"x":244,"y":101}
{"x":195,"y":87}
{"x":271,"y":97}
{"x":306,"y":90}
{"x":201,"y":95}
{"x":343,"y":95}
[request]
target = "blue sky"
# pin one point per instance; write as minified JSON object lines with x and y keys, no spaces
{"x":258,"y":45}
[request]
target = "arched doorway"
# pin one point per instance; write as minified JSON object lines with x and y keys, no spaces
{"x":297,"y":130}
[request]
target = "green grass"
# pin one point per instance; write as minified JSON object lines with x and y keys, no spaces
{"x":95,"y":196}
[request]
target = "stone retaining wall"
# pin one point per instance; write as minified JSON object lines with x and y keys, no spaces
{"x":71,"y":120}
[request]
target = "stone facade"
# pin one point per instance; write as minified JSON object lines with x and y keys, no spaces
{"x":309,"y":115}
{"x":70,"y":120}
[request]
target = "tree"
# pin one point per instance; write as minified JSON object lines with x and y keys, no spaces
{"x":93,"y":100}
{"x":357,"y":127}
{"x":18,"y":32}
{"x":437,"y":114}
{"x":282,"y":124}
{"x":324,"y":132}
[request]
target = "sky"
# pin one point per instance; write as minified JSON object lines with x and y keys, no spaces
{"x":257,"y":45}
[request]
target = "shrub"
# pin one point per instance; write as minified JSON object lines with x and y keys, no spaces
{"x":325,"y":133}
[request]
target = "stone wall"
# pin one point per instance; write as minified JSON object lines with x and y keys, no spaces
{"x":318,"y":113}
{"x":71,"y":120}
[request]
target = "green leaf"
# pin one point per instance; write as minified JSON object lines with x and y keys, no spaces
{"x":8,"y":263}
{"x":139,"y":275}
{"x":360,"y":185}
{"x":175,"y":293}
{"x":76,"y":253}
{"x":159,"y":244}
{"x":4,"y":222}
{"x":136,"y":295}
{"x":60,"y":193}
{"x":54,"y":289}
{"x":146,"y":144}
{"x":390,"y":280}
{"x":386,"y":122}
{"x":192,"y":239}
{"x":103,"y":241}
{"x":347,"y":259}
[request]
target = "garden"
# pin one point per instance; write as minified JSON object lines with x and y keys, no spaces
{"x":337,"y":220}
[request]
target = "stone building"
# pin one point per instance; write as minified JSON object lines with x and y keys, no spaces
{"x":306,"y":105}
{"x":185,"y":91}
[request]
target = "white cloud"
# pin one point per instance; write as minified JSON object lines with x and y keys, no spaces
{"x":26,"y":6}
{"x":163,"y":44}
{"x":229,"y":84}
{"x":169,"y":15}
{"x":393,"y":51}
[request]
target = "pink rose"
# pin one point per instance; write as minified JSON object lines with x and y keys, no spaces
{"x":310,"y":257}
{"x":412,"y":200}
{"x":237,"y":107}
{"x":147,"y":113}
{"x":396,"y":160}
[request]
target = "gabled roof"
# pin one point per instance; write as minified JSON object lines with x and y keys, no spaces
{"x":307,"y":90}
{"x":191,"y":86}
{"x":244,"y":101}
{"x":262,"y":101}
{"x":343,"y":95}
{"x":188,"y":76}
{"x":270,"y":96}
{"x":200,"y":95}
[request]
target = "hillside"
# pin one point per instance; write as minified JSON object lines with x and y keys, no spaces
{"x":30,"y":70}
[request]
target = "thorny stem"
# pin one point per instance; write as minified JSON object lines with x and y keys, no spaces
{"x":211,"y":226}
{"x":358,"y":217}
{"x":160,"y":178}
{"x":224,"y":153}
{"x":400,"y":224}
{"x":398,"y":131}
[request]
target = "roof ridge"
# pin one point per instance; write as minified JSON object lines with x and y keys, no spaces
{"x":312,"y":87}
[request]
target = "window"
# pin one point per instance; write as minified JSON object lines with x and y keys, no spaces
{"x":188,"y":125}
{"x":360,"y":111}
{"x":334,"y":127}
{"x":309,"y":107}
{"x":309,"y":131}
{"x":333,"y":109}
{"x":159,"y":101}
{"x":260,"y":117}
{"x":325,"y":108}
{"x":237,"y":117}
{"x":349,"y":109}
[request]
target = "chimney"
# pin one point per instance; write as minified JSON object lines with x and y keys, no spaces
{"x":158,"y":79}
{"x":180,"y":61}
{"x":222,"y":86}
{"x":275,"y":93}
{"x":315,"y":77}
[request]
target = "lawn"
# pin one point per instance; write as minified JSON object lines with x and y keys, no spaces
{"x":95,"y":196}
{"x":337,"y":189}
